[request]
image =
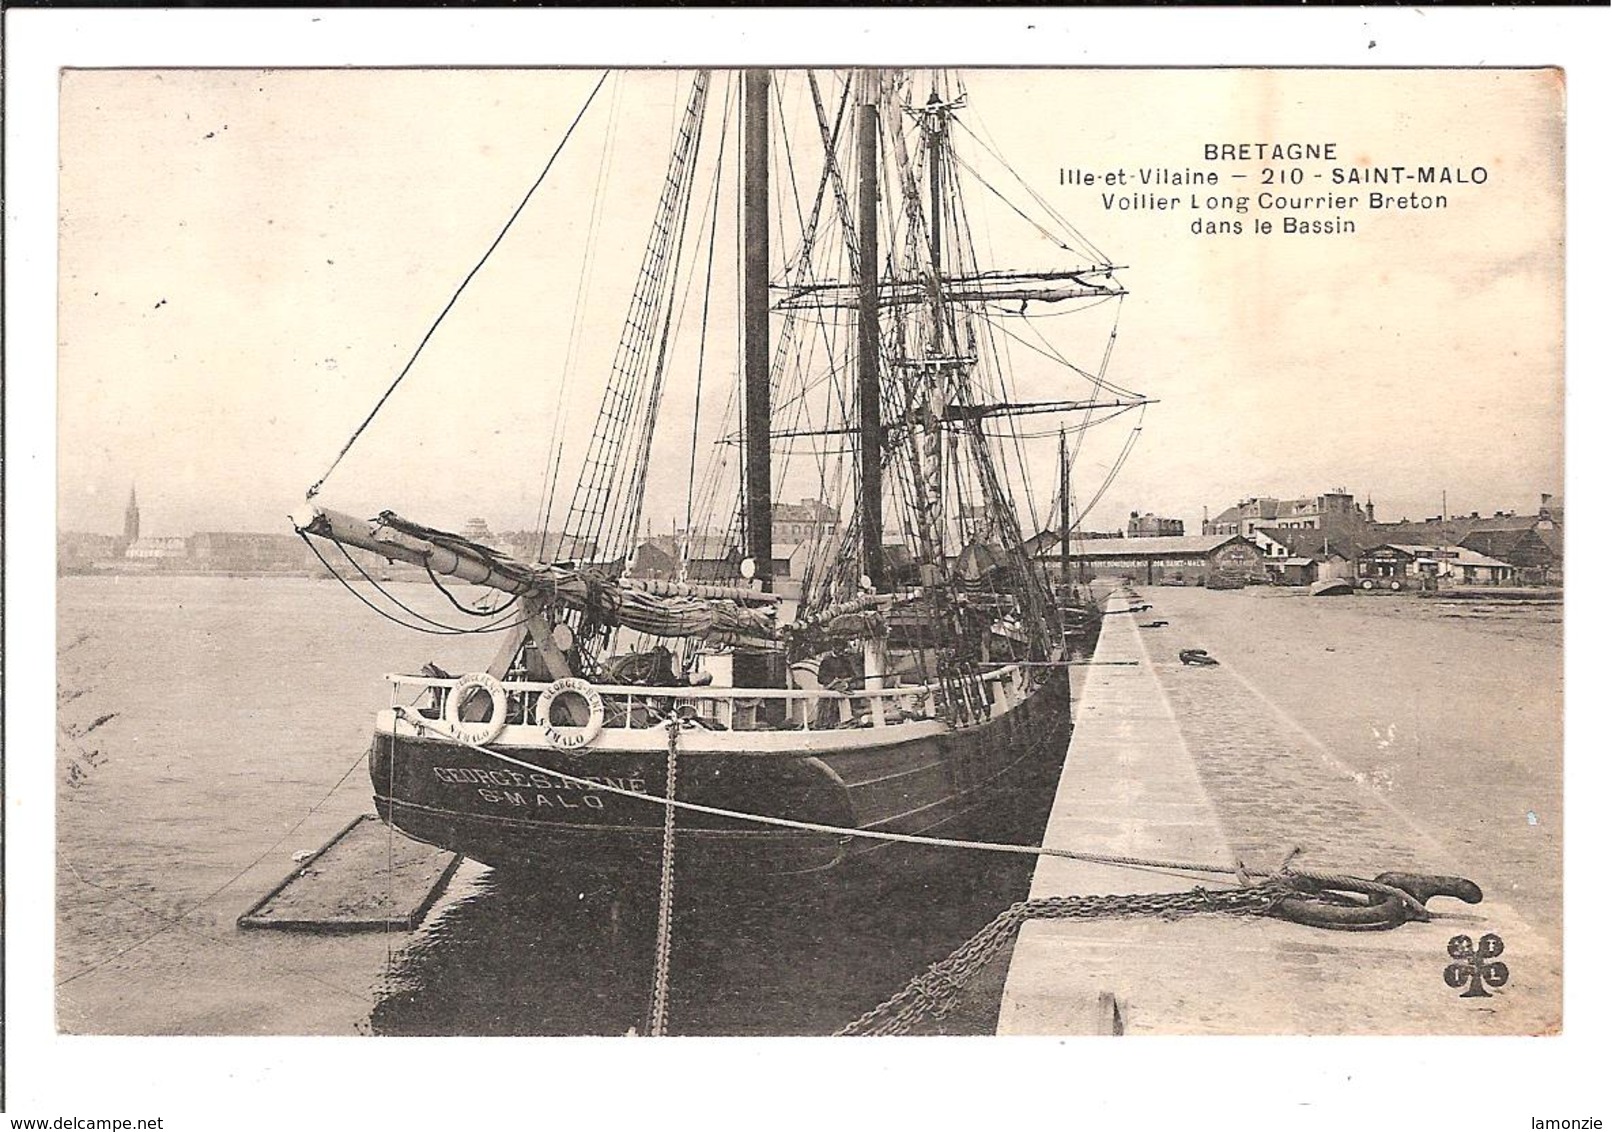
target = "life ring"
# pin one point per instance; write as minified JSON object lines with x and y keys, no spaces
{"x":570,"y":738}
{"x":476,"y":733}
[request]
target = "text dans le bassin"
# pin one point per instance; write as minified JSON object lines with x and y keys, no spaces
{"x":1275,"y":193}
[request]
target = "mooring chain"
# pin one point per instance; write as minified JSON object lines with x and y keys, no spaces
{"x":663,"y":926}
{"x":934,"y":992}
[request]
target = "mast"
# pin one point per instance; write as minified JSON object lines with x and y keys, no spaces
{"x":1063,"y":507}
{"x":937,"y":142}
{"x":757,"y":348}
{"x":867,"y":330}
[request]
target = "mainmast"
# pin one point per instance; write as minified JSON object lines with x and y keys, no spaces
{"x":757,"y":347}
{"x":867,"y":329}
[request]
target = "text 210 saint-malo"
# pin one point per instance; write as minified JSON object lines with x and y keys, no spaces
{"x":1275,"y":184}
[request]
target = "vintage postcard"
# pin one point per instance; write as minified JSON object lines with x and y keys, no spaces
{"x":781,"y":551}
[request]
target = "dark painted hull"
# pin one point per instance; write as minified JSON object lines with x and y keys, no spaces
{"x":992,"y":781}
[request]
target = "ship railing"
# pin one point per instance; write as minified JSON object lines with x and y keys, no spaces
{"x":636,"y":706}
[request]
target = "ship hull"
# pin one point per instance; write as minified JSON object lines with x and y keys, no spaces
{"x":988,"y":781}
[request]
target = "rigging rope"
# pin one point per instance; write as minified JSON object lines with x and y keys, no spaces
{"x":559,"y":426}
{"x":437,"y":582}
{"x":990,"y":147}
{"x":438,"y":629}
{"x":705,"y":313}
{"x":508,"y":224}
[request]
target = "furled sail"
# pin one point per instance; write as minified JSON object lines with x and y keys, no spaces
{"x":607,"y":602}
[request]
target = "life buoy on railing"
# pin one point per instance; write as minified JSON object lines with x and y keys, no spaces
{"x":570,"y":738}
{"x":487,"y":730}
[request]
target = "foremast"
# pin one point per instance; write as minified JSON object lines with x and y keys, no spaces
{"x":868,"y":386}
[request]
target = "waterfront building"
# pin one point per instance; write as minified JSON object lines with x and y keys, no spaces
{"x":248,"y":552}
{"x":1470,"y":568}
{"x":1180,"y":560}
{"x":1398,"y":566}
{"x":83,"y":552}
{"x":1534,"y":553}
{"x":1328,"y":554}
{"x":1530,"y":542}
{"x":169,"y":549}
{"x":1153,"y":526}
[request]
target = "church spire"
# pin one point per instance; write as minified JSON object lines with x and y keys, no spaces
{"x":131,"y":518}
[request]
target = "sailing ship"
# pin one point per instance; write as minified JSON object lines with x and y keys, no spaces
{"x":920,"y":679}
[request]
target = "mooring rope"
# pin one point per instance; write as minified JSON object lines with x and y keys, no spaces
{"x":1245,"y":876}
{"x":431,"y":726}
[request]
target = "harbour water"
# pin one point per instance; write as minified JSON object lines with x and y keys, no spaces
{"x":239,"y":712}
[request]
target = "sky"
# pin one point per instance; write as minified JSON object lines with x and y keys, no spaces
{"x":248,"y":258}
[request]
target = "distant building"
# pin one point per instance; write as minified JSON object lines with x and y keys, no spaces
{"x":1153,"y":526}
{"x":1470,"y":568}
{"x":1395,"y":566}
{"x":1531,"y":543}
{"x":1535,"y":553}
{"x":1186,"y":560}
{"x":81,"y":552}
{"x":711,"y":558}
{"x":1335,"y":510}
{"x":164,"y":549}
{"x":806,"y":521}
{"x":251,"y":553}
{"x":1299,"y":556}
{"x":1552,"y":508}
{"x":543,"y":546}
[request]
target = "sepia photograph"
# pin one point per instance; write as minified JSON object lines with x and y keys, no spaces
{"x":781,"y":551}
{"x":712,"y":495}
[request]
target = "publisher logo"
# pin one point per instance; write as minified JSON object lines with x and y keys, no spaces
{"x":1476,"y":967}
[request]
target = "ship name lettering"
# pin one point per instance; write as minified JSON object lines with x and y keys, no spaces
{"x":477,"y":776}
{"x":589,"y":801}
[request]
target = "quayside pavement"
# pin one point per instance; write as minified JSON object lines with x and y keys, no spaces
{"x":1197,"y":764}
